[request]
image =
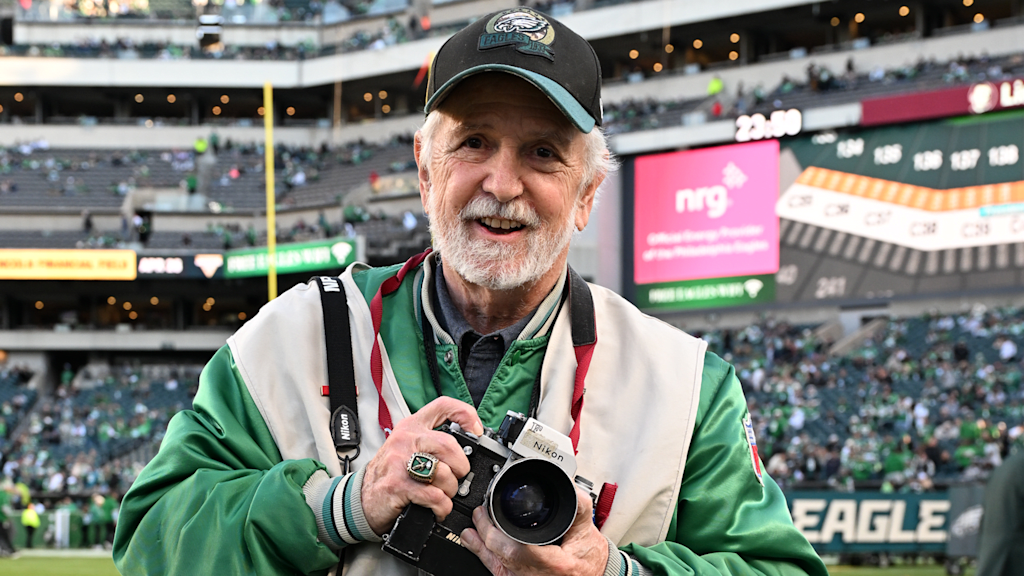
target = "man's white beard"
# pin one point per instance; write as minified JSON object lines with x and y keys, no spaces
{"x":498,"y":265}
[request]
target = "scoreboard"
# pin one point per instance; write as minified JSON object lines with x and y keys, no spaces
{"x":865,"y":213}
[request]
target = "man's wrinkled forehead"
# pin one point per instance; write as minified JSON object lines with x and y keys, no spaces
{"x":487,"y":100}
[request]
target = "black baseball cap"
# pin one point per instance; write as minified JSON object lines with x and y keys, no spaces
{"x":532,"y":46}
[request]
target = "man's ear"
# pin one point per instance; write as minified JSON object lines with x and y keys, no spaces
{"x":585,"y":202}
{"x":422,"y":171}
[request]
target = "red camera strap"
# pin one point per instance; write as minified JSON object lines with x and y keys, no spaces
{"x":584,"y":336}
{"x":377,"y":315}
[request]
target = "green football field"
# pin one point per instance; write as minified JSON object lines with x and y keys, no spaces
{"x":36,"y":566}
{"x":50,"y":566}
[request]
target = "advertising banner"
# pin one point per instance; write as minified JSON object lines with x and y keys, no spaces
{"x":67,"y":264}
{"x":709,"y":293}
{"x":871,"y":521}
{"x":299,"y":257}
{"x":957,"y":101}
{"x":965,"y":512}
{"x":707,"y":213}
{"x":190,"y":266}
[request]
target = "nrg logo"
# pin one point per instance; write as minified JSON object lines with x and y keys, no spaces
{"x":713,"y":199}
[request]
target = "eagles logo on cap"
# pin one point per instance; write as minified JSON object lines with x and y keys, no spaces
{"x":523,"y":28}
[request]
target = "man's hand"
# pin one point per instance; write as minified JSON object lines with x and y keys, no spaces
{"x":387,"y":487}
{"x":583,"y":552}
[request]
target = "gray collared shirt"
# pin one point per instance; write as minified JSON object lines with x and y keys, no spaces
{"x":480,"y":355}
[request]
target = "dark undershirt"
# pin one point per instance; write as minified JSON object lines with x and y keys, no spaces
{"x":479,"y":354}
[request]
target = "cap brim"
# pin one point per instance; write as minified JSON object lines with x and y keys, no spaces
{"x":558,"y":95}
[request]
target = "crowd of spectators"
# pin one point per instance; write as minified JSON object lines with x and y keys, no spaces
{"x":16,"y":400}
{"x":928,"y":400}
{"x":64,"y":173}
{"x":91,"y":435}
{"x":924,"y":402}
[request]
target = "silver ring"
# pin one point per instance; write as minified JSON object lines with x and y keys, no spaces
{"x":422,"y":467}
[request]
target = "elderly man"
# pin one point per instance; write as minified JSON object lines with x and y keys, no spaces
{"x":509,"y":163}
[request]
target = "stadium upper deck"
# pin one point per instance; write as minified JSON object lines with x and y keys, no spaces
{"x":653,"y":48}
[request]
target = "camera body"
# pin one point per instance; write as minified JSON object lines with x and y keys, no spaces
{"x":523,"y":473}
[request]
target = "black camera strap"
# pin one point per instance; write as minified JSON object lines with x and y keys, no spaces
{"x":341,"y":379}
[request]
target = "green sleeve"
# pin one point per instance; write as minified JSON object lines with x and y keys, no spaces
{"x":217,"y":498}
{"x":726,"y":522}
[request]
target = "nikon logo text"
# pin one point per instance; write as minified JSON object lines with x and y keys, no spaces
{"x":344,"y":428}
{"x":547,"y":450}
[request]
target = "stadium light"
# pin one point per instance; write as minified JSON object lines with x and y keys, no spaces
{"x":111,"y":300}
{"x":697,"y":43}
{"x":154,"y":300}
{"x":148,"y":123}
{"x":260,"y":110}
{"x":171,"y":98}
{"x":216,"y":110}
{"x":734,"y":38}
{"x":968,"y":2}
{"x":290,"y":111}
{"x":385,"y":108}
{"x":127,"y":305}
{"x":139,"y":98}
{"x":224,"y":99}
{"x":657,"y":67}
{"x":241,"y":315}
{"x":367,"y":97}
{"x":979,"y":18}
{"x":211,"y":301}
{"x":859,"y":17}
{"x":835,"y":21}
{"x":39,"y":304}
{"x":382,"y":94}
{"x":633,"y":54}
{"x":733,"y":55}
{"x":904,"y":10}
{"x":133,"y":315}
{"x":1,"y":108}
{"x":18,"y":96}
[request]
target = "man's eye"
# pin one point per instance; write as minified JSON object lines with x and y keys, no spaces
{"x":545,"y":153}
{"x":474,"y":143}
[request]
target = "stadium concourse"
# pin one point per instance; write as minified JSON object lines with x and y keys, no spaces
{"x":830,"y":194}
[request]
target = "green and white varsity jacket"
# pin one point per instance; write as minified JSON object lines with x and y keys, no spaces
{"x":243,"y":482}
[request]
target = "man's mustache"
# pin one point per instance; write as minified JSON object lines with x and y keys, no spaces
{"x":488,"y":206}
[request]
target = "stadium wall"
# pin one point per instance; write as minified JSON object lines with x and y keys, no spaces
{"x":104,"y":137}
{"x":207,"y":339}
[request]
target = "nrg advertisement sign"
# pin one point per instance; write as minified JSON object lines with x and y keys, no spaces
{"x":707,"y":216}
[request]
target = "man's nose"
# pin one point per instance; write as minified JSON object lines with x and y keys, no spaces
{"x":503,"y":179}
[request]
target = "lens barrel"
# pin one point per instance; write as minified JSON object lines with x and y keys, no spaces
{"x":532,"y":501}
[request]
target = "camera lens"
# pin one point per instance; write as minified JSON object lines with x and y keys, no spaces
{"x":532,"y":501}
{"x":526,"y":505}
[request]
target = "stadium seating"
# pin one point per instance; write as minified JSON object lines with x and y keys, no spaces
{"x":15,"y":401}
{"x":78,"y":179}
{"x":927,"y":401}
{"x":873,"y":411}
{"x":82,"y":439}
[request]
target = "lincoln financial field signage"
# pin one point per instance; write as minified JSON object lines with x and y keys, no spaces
{"x":871,"y":521}
{"x":300,"y":257}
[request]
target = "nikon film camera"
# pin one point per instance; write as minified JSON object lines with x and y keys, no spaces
{"x":523,"y":474}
